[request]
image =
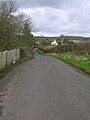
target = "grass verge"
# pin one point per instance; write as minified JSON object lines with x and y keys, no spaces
{"x":78,"y":61}
{"x":40,"y":52}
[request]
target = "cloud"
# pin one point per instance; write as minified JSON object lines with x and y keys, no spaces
{"x":57,"y":4}
{"x":70,"y":17}
{"x":40,"y":3}
{"x":69,"y":20}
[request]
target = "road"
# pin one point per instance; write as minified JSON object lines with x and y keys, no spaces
{"x":47,"y":89}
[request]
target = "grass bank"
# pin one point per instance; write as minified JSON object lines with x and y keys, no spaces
{"x":78,"y":61}
{"x":40,"y":52}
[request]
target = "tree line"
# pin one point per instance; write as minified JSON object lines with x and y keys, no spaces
{"x":15,"y":28}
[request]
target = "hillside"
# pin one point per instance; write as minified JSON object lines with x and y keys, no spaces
{"x":42,"y":38}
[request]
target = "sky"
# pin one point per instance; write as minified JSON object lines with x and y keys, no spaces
{"x":56,"y":17}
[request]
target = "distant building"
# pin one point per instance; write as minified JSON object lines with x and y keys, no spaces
{"x":37,"y":44}
{"x":76,"y":41}
{"x":54,"y":43}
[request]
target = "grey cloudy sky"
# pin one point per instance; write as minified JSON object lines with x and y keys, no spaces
{"x":55,"y":17}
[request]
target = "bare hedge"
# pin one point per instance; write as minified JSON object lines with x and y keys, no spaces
{"x":79,"y":49}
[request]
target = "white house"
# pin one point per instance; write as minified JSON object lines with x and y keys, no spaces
{"x":54,"y":42}
{"x":76,"y":41}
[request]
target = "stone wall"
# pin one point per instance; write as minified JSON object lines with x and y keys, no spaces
{"x":8,"y":57}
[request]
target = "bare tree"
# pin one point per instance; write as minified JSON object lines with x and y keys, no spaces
{"x":7,"y":26}
{"x":14,"y":29}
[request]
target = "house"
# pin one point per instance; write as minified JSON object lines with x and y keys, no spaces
{"x":37,"y":44}
{"x":54,"y":42}
{"x":76,"y":41}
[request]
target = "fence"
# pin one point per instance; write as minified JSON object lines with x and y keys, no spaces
{"x":8,"y":57}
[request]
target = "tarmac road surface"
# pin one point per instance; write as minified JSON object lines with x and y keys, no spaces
{"x":47,"y":89}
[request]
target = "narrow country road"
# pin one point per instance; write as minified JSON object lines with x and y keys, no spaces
{"x":47,"y":89}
